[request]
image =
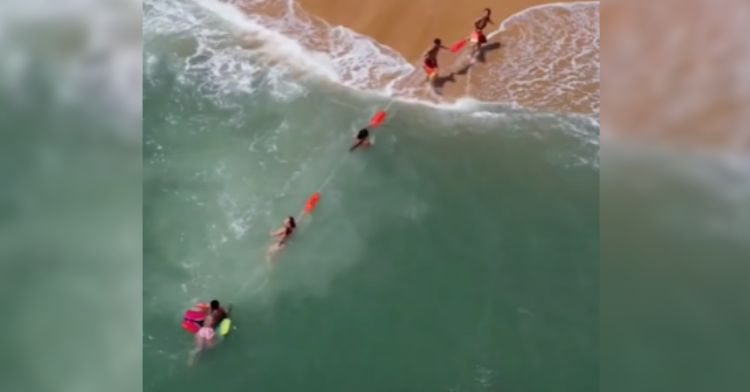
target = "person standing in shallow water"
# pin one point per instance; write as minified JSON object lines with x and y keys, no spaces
{"x":429,"y":59}
{"x":477,"y":37}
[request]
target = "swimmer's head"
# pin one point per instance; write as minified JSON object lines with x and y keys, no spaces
{"x":290,"y":221}
{"x":437,"y":41}
{"x":363,"y":133}
{"x":214,"y":305}
{"x":487,"y":11}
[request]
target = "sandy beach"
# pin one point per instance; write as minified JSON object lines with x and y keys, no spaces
{"x":542,"y":56}
{"x":410,"y":26}
{"x":690,"y":74}
{"x":539,"y":60}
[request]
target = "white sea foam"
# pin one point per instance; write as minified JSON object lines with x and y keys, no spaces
{"x":285,"y":50}
{"x":550,"y":64}
{"x":231,"y":51}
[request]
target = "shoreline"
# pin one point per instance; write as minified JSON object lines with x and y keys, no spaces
{"x":446,"y":20}
{"x":526,"y":35}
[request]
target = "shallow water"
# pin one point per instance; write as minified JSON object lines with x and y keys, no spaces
{"x":459,"y":253}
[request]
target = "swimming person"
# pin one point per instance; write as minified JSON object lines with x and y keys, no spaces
{"x":205,"y":336}
{"x":429,"y":59}
{"x":361,"y":139}
{"x":283,"y":235}
{"x":217,"y":313}
{"x":285,"y":231}
{"x":195,"y":318}
{"x":204,"y":339}
{"x":477,"y":37}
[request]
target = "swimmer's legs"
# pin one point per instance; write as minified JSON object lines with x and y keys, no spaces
{"x":193,"y":356}
{"x":270,"y":253}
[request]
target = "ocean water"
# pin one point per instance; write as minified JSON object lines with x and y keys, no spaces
{"x":459,"y":253}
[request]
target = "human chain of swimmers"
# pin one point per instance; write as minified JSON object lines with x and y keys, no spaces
{"x":203,"y":320}
{"x":430,"y":66}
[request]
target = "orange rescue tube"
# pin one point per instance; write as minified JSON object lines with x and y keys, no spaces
{"x":311,"y":202}
{"x":377,"y":119}
{"x":458,"y":45}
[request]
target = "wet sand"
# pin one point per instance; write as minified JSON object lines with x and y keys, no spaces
{"x":677,"y":72}
{"x":524,"y":64}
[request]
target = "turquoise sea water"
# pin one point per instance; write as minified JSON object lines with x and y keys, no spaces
{"x":460,"y":253}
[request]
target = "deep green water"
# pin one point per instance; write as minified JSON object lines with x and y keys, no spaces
{"x":460,"y":253}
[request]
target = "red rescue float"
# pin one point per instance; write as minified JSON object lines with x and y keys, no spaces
{"x":312,"y":202}
{"x":377,"y":119}
{"x":458,"y":45}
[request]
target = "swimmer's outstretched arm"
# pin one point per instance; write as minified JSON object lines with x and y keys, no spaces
{"x":357,"y":144}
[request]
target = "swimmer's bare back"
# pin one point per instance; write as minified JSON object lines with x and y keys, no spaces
{"x":283,"y":235}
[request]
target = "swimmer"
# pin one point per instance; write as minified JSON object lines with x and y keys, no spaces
{"x":195,"y":317}
{"x":204,"y":339}
{"x":283,"y":235}
{"x":217,"y":313}
{"x":362,"y":139}
{"x":285,"y":231}
{"x":429,"y":59}
{"x":477,"y":37}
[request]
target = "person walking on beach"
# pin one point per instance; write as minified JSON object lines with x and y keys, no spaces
{"x":477,"y":37}
{"x":429,"y":59}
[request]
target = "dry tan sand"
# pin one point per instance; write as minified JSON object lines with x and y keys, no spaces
{"x":409,"y":26}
